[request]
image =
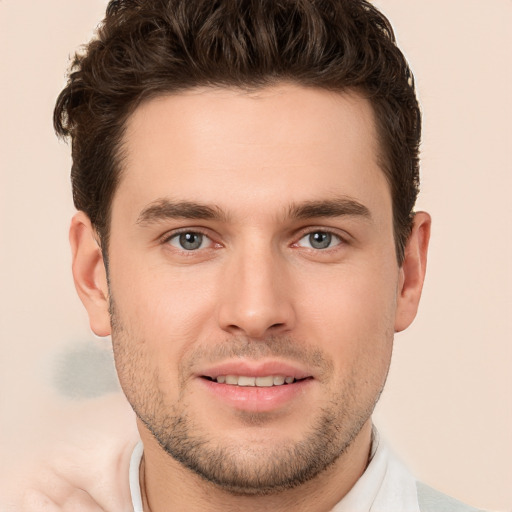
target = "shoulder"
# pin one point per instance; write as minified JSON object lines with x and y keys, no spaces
{"x":83,"y":465}
{"x":72,"y":478}
{"x":430,"y":500}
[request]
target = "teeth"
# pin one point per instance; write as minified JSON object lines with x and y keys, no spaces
{"x":265,"y":382}
{"x":247,"y":381}
{"x":231,"y":379}
{"x":261,"y":382}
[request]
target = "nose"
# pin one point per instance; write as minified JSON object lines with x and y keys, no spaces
{"x":257,"y":296}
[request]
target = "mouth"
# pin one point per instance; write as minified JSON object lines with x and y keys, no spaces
{"x":266,"y":381}
{"x":257,"y":386}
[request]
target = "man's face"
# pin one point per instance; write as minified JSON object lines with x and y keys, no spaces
{"x":251,"y":244}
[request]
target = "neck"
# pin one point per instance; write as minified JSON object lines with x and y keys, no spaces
{"x":167,"y":485}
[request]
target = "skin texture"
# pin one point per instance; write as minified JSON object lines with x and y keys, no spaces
{"x":259,"y":173}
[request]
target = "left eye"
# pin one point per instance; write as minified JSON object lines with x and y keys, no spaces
{"x":319,"y":240}
{"x":189,"y":241}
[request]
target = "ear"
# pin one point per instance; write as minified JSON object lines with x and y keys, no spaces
{"x":412,"y":272}
{"x":89,"y":273}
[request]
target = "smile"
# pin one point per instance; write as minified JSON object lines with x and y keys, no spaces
{"x":256,"y":387}
{"x":247,"y":381}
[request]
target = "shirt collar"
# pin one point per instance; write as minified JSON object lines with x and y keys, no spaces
{"x":385,"y":486}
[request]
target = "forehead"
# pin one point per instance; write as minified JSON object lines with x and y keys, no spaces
{"x":269,"y":147}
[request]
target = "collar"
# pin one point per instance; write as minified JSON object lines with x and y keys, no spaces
{"x":135,"y":461}
{"x":385,"y":486}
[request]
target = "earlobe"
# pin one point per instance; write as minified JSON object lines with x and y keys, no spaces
{"x":412,"y":272}
{"x":89,"y":273}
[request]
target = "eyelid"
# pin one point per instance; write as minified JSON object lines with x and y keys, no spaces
{"x":342,"y":235}
{"x":168,"y":235}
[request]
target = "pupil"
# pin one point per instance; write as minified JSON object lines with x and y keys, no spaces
{"x":191,"y":241}
{"x":320,"y":240}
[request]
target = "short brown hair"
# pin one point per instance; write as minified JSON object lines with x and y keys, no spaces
{"x":145,"y":48}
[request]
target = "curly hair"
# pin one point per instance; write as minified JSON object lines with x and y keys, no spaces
{"x":145,"y":48}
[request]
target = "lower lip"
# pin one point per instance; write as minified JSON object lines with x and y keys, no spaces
{"x":257,"y":399}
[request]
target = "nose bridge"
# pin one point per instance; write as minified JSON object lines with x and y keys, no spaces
{"x":256,"y":300}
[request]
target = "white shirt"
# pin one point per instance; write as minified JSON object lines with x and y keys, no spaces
{"x":385,"y":486}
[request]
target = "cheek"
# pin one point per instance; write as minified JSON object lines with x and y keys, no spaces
{"x":163,"y":312}
{"x":159,"y":298}
{"x":352,"y":315}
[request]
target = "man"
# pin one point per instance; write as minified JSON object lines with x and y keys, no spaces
{"x":245,"y":175}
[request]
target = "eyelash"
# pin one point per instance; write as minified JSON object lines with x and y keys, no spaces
{"x":342,"y":240}
{"x":196,"y":231}
{"x":303,"y":234}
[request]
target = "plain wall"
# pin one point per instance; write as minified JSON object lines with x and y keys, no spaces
{"x":447,"y":408}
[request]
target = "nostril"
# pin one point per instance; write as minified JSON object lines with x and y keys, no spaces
{"x":255,"y":322}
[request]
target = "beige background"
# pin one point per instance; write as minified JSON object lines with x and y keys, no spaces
{"x":447,"y":409}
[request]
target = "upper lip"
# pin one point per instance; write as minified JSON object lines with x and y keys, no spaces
{"x":255,"y":369}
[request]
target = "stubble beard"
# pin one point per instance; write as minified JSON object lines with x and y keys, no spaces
{"x":250,"y":470}
{"x":239,"y":469}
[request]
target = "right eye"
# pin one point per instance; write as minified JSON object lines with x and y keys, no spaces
{"x":189,"y":241}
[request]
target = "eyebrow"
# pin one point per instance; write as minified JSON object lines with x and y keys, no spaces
{"x":162,"y":209}
{"x":338,"y":207}
{"x":165,"y":209}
